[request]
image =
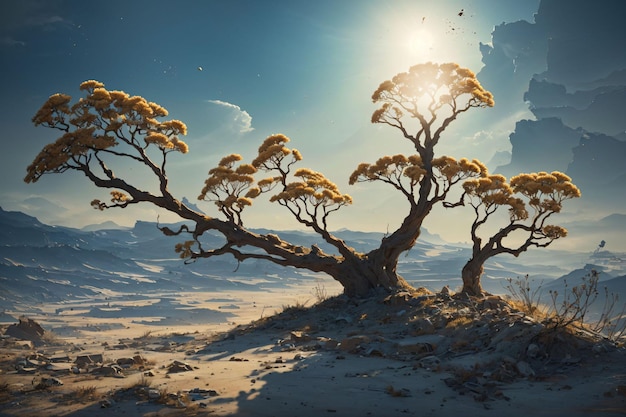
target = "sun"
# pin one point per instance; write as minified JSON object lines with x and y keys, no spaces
{"x":420,"y":45}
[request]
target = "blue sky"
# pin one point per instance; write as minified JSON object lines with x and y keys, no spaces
{"x":303,"y":68}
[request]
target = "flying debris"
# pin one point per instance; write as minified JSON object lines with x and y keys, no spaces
{"x":199,"y":68}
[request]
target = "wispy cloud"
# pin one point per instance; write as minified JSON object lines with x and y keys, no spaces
{"x":241,"y":120}
{"x":9,"y":41}
{"x":29,"y":15}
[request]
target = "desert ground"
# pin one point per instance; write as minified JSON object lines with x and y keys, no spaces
{"x":305,"y":351}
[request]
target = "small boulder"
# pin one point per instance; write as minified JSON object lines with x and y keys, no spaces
{"x":429,"y":362}
{"x":524,"y":369}
{"x":110,"y":370}
{"x":300,"y":337}
{"x":26,"y":329}
{"x":353,"y":343}
{"x":178,"y":366}
{"x":50,"y":382}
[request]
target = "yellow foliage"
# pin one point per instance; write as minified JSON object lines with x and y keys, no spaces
{"x":272,"y":151}
{"x":97,"y":204}
{"x":314,"y":188}
{"x":86,"y":125}
{"x":53,"y":110}
{"x":91,"y":85}
{"x":253,"y":192}
{"x":390,"y":168}
{"x":451,"y":169}
{"x":185,"y":248}
{"x":444,"y":84}
{"x":119,"y":197}
{"x":267,"y":183}
{"x":554,"y":187}
{"x":554,"y":232}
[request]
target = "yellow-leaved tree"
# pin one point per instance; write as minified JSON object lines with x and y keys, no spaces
{"x":105,"y":126}
{"x":540,"y":195}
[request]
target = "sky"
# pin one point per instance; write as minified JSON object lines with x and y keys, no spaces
{"x":235,"y":72}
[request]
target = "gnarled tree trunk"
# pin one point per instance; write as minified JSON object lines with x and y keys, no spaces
{"x":360,"y":277}
{"x":471,"y":273}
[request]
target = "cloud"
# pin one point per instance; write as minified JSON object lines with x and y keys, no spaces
{"x":9,"y":41}
{"x":241,"y":120}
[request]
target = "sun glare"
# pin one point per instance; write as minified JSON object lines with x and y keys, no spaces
{"x":421,"y":44}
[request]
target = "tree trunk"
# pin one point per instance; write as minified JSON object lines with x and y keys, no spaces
{"x":361,"y":276}
{"x":471,"y":274}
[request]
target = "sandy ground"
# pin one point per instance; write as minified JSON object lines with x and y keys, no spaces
{"x":272,"y":357}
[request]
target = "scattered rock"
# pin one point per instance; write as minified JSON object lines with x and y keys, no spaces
{"x":178,"y":366}
{"x":199,"y":393}
{"x":109,"y":370}
{"x":37,"y":360}
{"x":125,"y":362}
{"x":533,"y":351}
{"x":328,"y":343}
{"x":26,"y":329}
{"x":352,"y":344}
{"x":524,"y":369}
{"x":53,"y":382}
{"x":399,"y":298}
{"x":300,"y":337}
{"x":107,"y":403}
{"x":423,"y":326}
{"x":83,"y":361}
{"x":429,"y":362}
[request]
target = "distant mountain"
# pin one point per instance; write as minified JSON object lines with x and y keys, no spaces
{"x":588,"y":234}
{"x":17,"y":218}
{"x":540,"y":145}
{"x":614,"y":220}
{"x":191,"y":205}
{"x":616,"y":285}
{"x":17,"y":228}
{"x":576,"y":276}
{"x":108,"y":225}
{"x":598,"y":160}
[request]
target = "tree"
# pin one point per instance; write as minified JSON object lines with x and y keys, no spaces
{"x":542,"y":192}
{"x":107,"y":126}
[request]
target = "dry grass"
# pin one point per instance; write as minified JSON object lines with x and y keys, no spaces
{"x":143,"y":382}
{"x":299,"y":306}
{"x":461,"y":322}
{"x":403,"y":392}
{"x":319,"y":292}
{"x":82,"y":394}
